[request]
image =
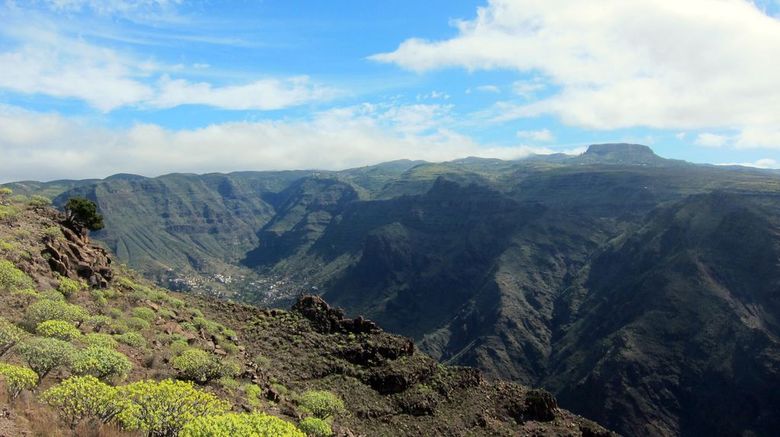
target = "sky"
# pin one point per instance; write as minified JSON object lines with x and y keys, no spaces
{"x":90,"y":88}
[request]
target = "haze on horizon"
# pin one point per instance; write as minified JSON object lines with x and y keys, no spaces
{"x":91,"y":88}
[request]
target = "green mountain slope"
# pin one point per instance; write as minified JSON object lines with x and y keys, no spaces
{"x":552,"y":271}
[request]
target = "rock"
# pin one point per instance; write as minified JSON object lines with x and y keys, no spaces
{"x":328,"y":320}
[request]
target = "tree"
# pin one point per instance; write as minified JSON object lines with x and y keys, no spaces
{"x":234,"y":424}
{"x":79,"y":397}
{"x":17,"y":378}
{"x":44,"y":354}
{"x":101,"y":362}
{"x":163,"y":408}
{"x":81,"y":213}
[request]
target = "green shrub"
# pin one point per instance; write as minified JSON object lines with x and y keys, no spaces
{"x":10,"y":334}
{"x":5,"y":246}
{"x":53,"y":232}
{"x":28,"y":293}
{"x":8,"y":211}
{"x":59,"y":329}
{"x":101,"y":362}
{"x":321,"y":403}
{"x":44,"y":310}
{"x":79,"y":397}
{"x":234,"y":424}
{"x":228,"y":383}
{"x":68,"y":286}
{"x":137,"y":324}
{"x":315,"y":427}
{"x":5,"y":193}
{"x":51,"y":295}
{"x":197,"y":365}
{"x":133,"y":339}
{"x":99,"y":339}
{"x":12,"y":279}
{"x":44,"y":354}
{"x":144,"y":313}
{"x":17,"y":378}
{"x":115,"y":313}
{"x":163,"y":408}
{"x":178,"y":346}
{"x":38,"y":201}
{"x":98,"y":323}
{"x":253,"y":393}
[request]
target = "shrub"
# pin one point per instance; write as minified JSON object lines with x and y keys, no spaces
{"x":17,"y":378}
{"x":228,"y":383}
{"x":68,"y":286}
{"x":321,"y":403}
{"x":197,"y":365}
{"x":51,"y":295}
{"x":5,"y":192}
{"x":99,"y":339}
{"x":79,"y":397}
{"x":137,"y":324}
{"x":45,"y":309}
{"x":38,"y":201}
{"x":253,"y":392}
{"x":178,"y":346}
{"x":10,"y":334}
{"x":234,"y":424}
{"x":163,"y":408}
{"x":144,"y":313}
{"x":11,"y":278}
{"x":133,"y":339}
{"x":59,"y":329}
{"x":53,"y":232}
{"x":101,"y":362}
{"x":98,"y":323}
{"x":315,"y":427}
{"x":44,"y":354}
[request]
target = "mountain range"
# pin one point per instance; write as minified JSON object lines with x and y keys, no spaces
{"x":643,"y":292}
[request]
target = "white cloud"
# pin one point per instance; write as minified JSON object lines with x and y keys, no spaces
{"x":536,"y":135}
{"x":488,"y":89}
{"x":52,"y":64}
{"x":766,"y":163}
{"x":108,"y":7}
{"x":263,"y":94}
{"x":695,"y":64}
{"x":50,"y":146}
{"x":711,"y":140}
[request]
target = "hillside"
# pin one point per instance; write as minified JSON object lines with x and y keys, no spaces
{"x":134,"y":337}
{"x":617,"y":279}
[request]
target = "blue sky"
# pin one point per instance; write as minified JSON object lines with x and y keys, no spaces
{"x":89,"y":88}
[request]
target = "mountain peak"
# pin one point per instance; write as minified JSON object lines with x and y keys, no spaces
{"x":620,"y":153}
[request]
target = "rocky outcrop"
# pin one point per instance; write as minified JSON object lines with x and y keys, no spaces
{"x":73,"y":256}
{"x":329,"y":320}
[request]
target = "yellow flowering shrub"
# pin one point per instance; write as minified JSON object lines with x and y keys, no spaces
{"x":234,"y":424}
{"x":17,"y":378}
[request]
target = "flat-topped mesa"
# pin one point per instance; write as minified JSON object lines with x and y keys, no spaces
{"x":620,"y":153}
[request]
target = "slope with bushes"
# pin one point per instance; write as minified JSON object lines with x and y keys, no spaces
{"x":88,"y":348}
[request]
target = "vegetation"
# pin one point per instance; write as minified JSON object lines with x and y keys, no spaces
{"x":321,"y":404}
{"x":59,"y":329}
{"x":101,"y":362}
{"x":162,"y":408}
{"x":17,"y":378}
{"x":11,"y":278}
{"x":82,"y":213}
{"x":68,"y":286}
{"x":316,"y":427}
{"x":80,"y":397}
{"x":44,"y":354}
{"x":197,"y":365}
{"x":10,"y":334}
{"x":46,"y":309}
{"x":229,"y":425}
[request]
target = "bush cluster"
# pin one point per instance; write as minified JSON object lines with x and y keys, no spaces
{"x":199,"y":366}
{"x":316,"y":427}
{"x":234,"y":424}
{"x":44,"y":354}
{"x":101,"y":362}
{"x":59,"y":329}
{"x":68,"y":286}
{"x":11,"y":278}
{"x":320,"y":403}
{"x":79,"y":397}
{"x":132,"y":339}
{"x":46,"y":309}
{"x":17,"y":378}
{"x":10,"y":334}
